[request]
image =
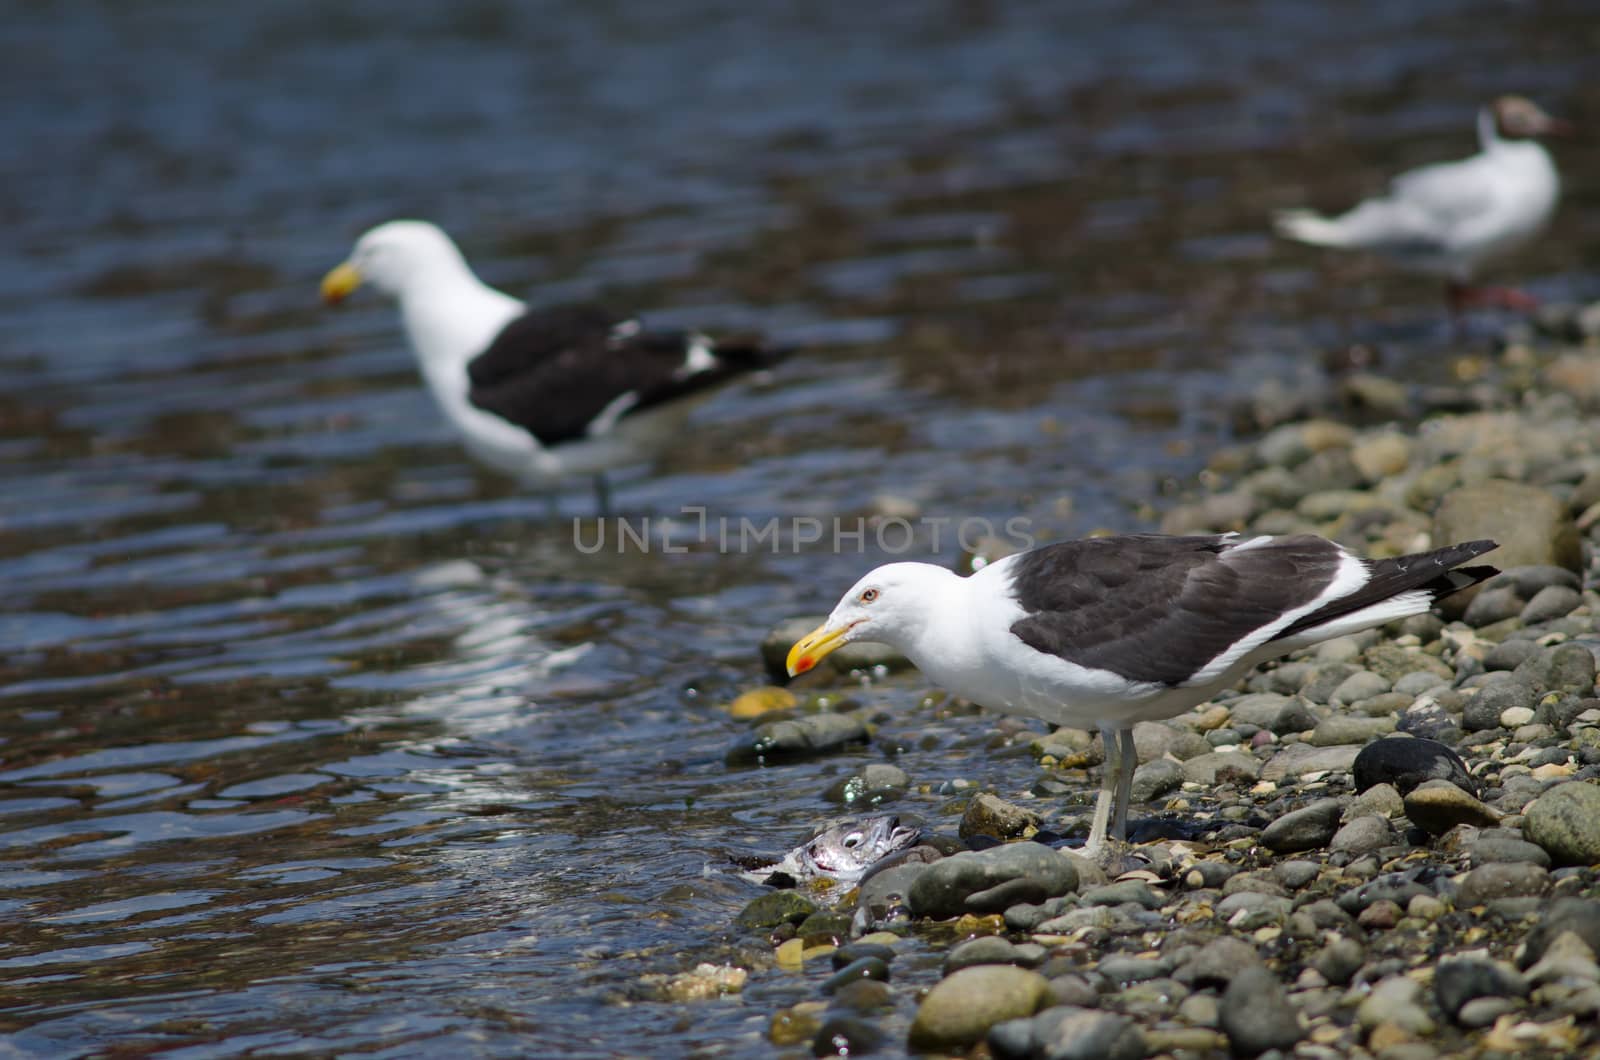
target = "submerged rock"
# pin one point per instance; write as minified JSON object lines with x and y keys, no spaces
{"x":813,"y":734}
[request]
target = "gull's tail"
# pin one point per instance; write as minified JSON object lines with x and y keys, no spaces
{"x":1310,"y":227}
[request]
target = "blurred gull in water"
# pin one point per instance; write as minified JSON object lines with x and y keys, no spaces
{"x":1449,"y":218}
{"x":537,"y":393}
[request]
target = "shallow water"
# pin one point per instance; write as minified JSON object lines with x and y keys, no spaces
{"x":315,"y":738}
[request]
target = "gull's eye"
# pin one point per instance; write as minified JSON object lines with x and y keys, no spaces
{"x":852,"y":840}
{"x":868,"y":595}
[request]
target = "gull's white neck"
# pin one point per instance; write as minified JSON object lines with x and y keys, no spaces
{"x":942,"y":641}
{"x":450,"y":315}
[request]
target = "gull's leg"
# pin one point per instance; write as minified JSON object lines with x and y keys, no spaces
{"x":602,"y":495}
{"x":1102,"y":806}
{"x":1130,"y":762}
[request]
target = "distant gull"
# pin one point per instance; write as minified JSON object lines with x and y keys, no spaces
{"x":1449,"y":218}
{"x":537,"y":393}
{"x":1111,"y":631}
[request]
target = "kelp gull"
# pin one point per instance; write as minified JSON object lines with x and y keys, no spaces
{"x":1111,"y":631}
{"x":1449,"y":218}
{"x":537,"y":393}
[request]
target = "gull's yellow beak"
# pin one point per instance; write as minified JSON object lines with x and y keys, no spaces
{"x":813,"y":647}
{"x":337,"y":285}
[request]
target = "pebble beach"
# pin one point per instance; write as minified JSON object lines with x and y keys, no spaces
{"x":1382,"y":846}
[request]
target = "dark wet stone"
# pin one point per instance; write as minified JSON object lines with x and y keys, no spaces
{"x":814,"y":734}
{"x":778,"y":907}
{"x":1339,"y":960}
{"x":854,"y":951}
{"x":1458,"y":981}
{"x":1581,"y":916}
{"x":1256,"y":1014}
{"x":1406,"y":761}
{"x":1308,"y":828}
{"x":876,"y":783}
{"x":989,"y":881}
{"x":1565,"y":822}
{"x":991,"y":815}
{"x":885,"y":896}
{"x":1483,"y":710}
{"x":1085,"y":1034}
{"x":825,"y":927}
{"x":846,"y":1036}
{"x":1216,"y":963}
{"x":1126,"y":891}
{"x":1507,"y":879}
{"x":864,"y":995}
{"x":860,"y":968}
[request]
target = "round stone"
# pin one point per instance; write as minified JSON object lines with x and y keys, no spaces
{"x":961,"y":1008}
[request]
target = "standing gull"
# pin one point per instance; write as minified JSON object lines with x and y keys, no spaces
{"x":537,"y":393}
{"x":1117,"y":630}
{"x":1449,"y":218}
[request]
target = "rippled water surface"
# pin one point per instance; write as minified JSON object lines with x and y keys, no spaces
{"x":315,"y":739}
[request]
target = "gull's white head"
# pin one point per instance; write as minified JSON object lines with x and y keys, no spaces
{"x":395,"y":257}
{"x":1520,"y":118}
{"x":891,"y":605}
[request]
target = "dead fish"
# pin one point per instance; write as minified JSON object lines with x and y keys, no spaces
{"x":843,"y":851}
